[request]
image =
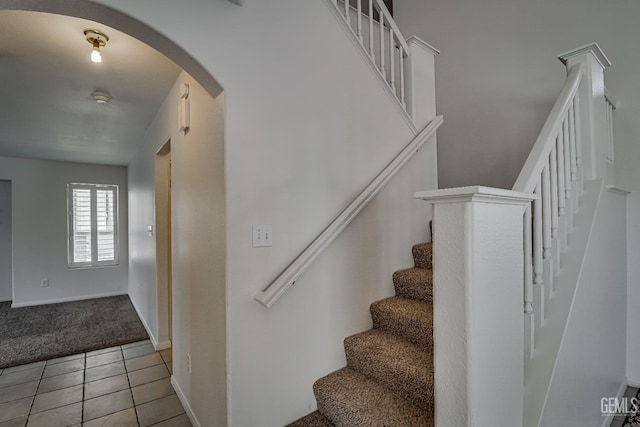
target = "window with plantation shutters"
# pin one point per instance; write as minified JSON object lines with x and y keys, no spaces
{"x":93,"y":225}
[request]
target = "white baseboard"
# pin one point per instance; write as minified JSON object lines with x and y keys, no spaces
{"x":154,"y":340}
{"x":163,"y":345}
{"x":185,"y":403}
{"x":623,"y":387}
{"x":67,"y":299}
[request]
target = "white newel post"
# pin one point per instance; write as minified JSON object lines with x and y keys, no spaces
{"x":420,"y":81}
{"x":593,"y":125}
{"x":478,"y":305}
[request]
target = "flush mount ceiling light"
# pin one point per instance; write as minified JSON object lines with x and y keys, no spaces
{"x":101,"y":97}
{"x":96,"y":39}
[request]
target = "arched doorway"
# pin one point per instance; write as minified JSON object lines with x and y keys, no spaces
{"x":203,"y":382}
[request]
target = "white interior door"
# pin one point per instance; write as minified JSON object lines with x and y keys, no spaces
{"x":6,"y":256}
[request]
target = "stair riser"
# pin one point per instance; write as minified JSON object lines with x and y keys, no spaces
{"x":348,"y":399}
{"x":416,"y":332}
{"x":423,"y":255}
{"x":342,"y":418}
{"x":314,"y":419}
{"x":406,"y":332}
{"x":414,"y":385}
{"x":414,"y":283}
{"x":336,"y":413}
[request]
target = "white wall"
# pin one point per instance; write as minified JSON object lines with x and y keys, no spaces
{"x":198,"y":235}
{"x":307,"y":125}
{"x":6,"y":259}
{"x":592,"y":362}
{"x":497,"y":74}
{"x":39,"y":204}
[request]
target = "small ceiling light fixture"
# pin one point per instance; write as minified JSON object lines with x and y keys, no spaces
{"x":101,"y":97}
{"x":97,"y":40}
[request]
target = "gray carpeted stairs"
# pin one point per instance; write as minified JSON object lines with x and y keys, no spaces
{"x":388,"y":380}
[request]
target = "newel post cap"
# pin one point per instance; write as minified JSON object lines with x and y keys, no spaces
{"x":592,"y":48}
{"x":423,"y":44}
{"x":475,"y":193}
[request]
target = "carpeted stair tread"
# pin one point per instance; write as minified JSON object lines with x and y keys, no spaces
{"x":414,"y":283}
{"x":314,"y":419}
{"x":407,"y":318}
{"x":350,"y":399}
{"x":422,"y":255}
{"x":399,"y":365}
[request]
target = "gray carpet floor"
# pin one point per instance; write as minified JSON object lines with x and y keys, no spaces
{"x":31,"y":334}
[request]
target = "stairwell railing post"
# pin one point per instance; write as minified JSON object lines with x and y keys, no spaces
{"x":592,"y":113}
{"x":478,"y":293}
{"x":420,"y":82}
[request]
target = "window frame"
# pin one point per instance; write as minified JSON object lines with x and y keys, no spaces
{"x":93,"y":188}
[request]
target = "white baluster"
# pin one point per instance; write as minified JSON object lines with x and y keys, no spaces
{"x":529,"y":316}
{"x":562,"y":211}
{"x":359,"y":19}
{"x":347,"y":16}
{"x":546,"y":211}
{"x":402,"y":100}
{"x":576,"y":112}
{"x":392,"y":60}
{"x":573,"y":161}
{"x":537,"y":235}
{"x":371,"y":51}
{"x":547,"y":242}
{"x":572,"y":140}
{"x":382,"y":44}
{"x":612,"y":146}
{"x":561,"y":180}
{"x":554,"y":192}
{"x":570,"y":203}
{"x":555,"y":223}
{"x":608,"y":125}
{"x":528,"y":270}
{"x":567,"y":158}
{"x":335,"y":3}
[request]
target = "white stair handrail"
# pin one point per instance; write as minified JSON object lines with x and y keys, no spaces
{"x":532,"y":168}
{"x":288,"y":277}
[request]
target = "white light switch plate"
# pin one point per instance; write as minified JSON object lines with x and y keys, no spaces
{"x":262,"y":236}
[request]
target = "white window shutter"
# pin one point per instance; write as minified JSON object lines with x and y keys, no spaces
{"x":93,"y":225}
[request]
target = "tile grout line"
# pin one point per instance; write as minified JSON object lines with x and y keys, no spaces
{"x":33,"y":398}
{"x":126,"y":370}
{"x":84,"y":378}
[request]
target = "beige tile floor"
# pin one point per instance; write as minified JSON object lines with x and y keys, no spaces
{"x":121,"y":386}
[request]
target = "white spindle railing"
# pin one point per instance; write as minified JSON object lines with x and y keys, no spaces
{"x":610,"y":104}
{"x":381,"y":39}
{"x":553,"y":173}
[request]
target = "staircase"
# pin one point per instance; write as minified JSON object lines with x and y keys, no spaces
{"x":388,"y":380}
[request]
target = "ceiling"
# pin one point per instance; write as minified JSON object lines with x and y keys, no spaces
{"x":46,"y":81}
